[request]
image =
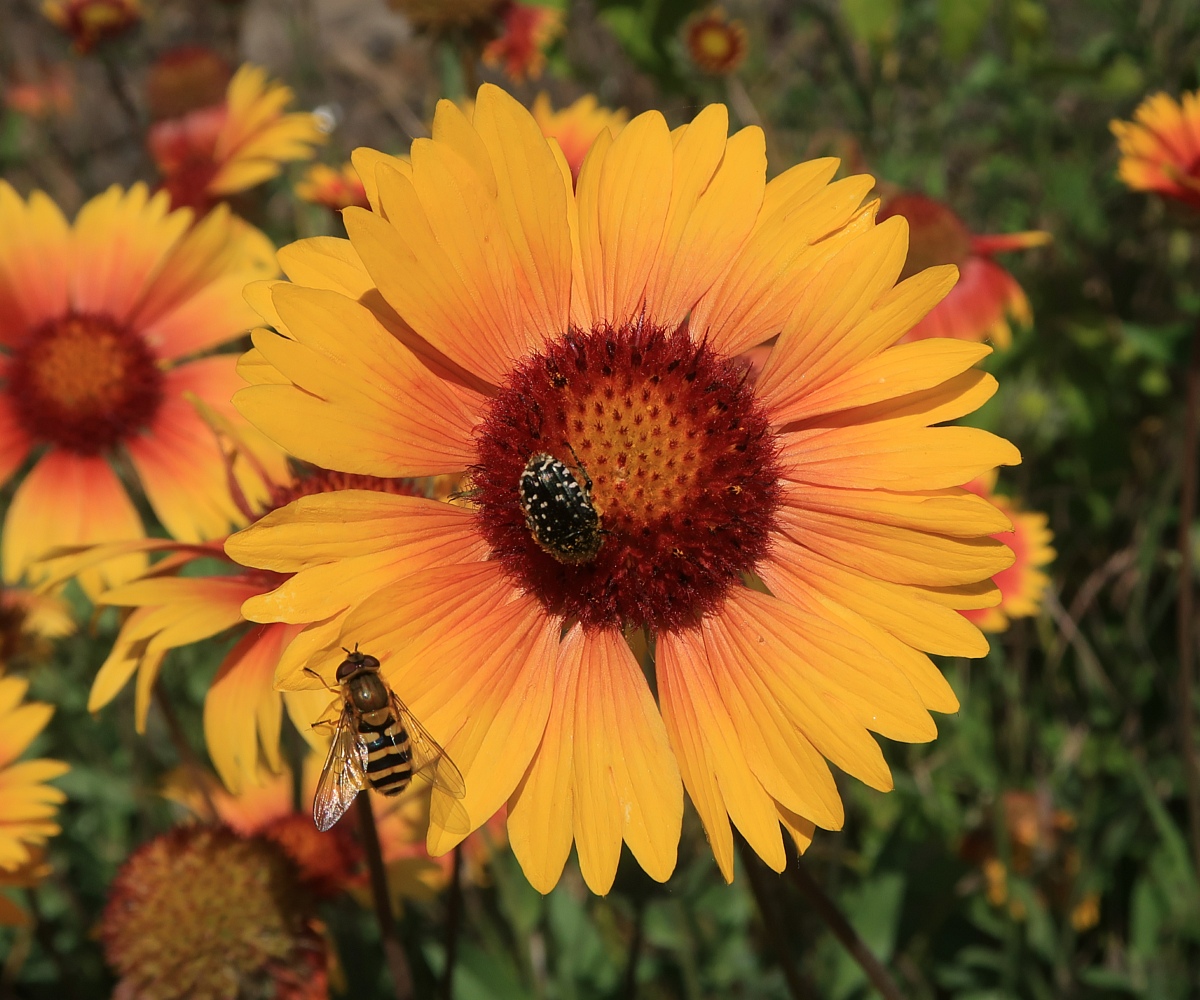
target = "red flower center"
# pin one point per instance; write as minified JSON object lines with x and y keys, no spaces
{"x":682,"y":463}
{"x":84,"y":383}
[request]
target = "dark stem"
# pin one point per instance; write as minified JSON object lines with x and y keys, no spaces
{"x":828,"y":911}
{"x":393,"y":949}
{"x":772,"y":921}
{"x":1186,"y":610}
{"x":629,"y":989}
{"x":187,"y":756}
{"x":453,"y":917}
{"x":116,"y":86}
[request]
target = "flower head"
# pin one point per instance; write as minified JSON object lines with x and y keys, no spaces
{"x":793,"y":544}
{"x":986,"y":296}
{"x":218,"y":150}
{"x":1160,"y":149}
{"x":29,"y":620}
{"x":89,"y":22}
{"x":528,"y":29}
{"x":28,"y":805}
{"x":101,"y":328}
{"x":576,"y":126}
{"x":1022,"y":584}
{"x":184,"y":79}
{"x":334,"y":188}
{"x":715,"y":43}
{"x":204,"y":912}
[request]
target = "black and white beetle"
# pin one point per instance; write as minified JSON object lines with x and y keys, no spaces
{"x":558,"y":510}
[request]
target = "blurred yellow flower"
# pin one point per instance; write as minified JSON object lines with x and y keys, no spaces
{"x":28,"y":806}
{"x":1160,"y":149}
{"x":576,"y":126}
{"x":334,"y":188}
{"x":213,"y":152}
{"x":29,"y":619}
{"x":1023,"y":584}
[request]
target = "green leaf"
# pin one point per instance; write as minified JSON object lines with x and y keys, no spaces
{"x":960,"y":23}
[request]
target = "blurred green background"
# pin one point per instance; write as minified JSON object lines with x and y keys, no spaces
{"x":1039,"y":848}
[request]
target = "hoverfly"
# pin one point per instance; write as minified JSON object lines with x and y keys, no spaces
{"x":377,"y":742}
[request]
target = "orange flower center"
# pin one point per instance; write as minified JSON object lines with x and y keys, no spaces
{"x":714,"y":42}
{"x":84,"y":383}
{"x":682,"y":466}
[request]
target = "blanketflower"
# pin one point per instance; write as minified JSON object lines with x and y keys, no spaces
{"x":986,"y":296}
{"x":242,"y":710}
{"x":715,"y":43}
{"x":793,"y":546}
{"x":335,"y":189}
{"x":1160,"y":149}
{"x":89,"y":22}
{"x":106,"y":329}
{"x":1023,"y":584}
{"x":48,"y":94}
{"x":527,"y":30}
{"x":576,"y":126}
{"x":216,"y":151}
{"x":29,"y":621}
{"x":28,"y":806}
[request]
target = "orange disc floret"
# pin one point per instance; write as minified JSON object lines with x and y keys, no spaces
{"x":789,"y":544}
{"x":1160,"y":148}
{"x":203,"y":912}
{"x":986,"y":297}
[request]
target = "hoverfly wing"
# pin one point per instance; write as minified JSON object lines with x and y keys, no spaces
{"x":343,"y":776}
{"x":429,"y":760}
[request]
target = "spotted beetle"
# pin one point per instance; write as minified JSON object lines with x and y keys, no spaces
{"x":558,"y":510}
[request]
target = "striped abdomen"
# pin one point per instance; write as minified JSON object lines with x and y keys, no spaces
{"x":389,"y":755}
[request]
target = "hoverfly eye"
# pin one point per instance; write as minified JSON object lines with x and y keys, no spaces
{"x":370,"y":662}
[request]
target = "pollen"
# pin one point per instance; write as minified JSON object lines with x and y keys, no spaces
{"x":84,"y":383}
{"x":664,"y":440}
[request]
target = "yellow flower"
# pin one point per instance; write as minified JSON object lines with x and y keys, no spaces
{"x":1160,"y":150}
{"x":576,"y":126}
{"x":715,"y":43}
{"x":28,"y":806}
{"x":29,"y":619}
{"x":794,"y":545}
{"x":1023,"y":584}
{"x":334,"y":188}
{"x":102,"y":325}
{"x":90,"y":22}
{"x":215,"y":151}
{"x":986,"y":297}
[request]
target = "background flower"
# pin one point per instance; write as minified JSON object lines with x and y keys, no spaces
{"x":28,"y":805}
{"x":986,"y":297}
{"x":103,"y":326}
{"x":1160,"y":148}
{"x":212,"y":152}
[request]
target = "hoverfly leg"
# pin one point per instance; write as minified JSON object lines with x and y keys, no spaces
{"x":324,"y":683}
